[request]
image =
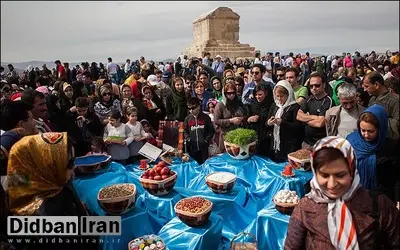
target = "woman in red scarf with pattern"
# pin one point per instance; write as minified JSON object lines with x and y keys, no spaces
{"x":339,"y":213}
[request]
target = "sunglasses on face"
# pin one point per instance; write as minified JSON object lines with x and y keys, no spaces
{"x":106,"y":94}
{"x":230,"y":93}
{"x":255,"y":72}
{"x":315,"y":85}
{"x":192,"y":108}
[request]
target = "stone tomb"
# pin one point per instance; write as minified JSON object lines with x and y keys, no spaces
{"x":217,"y":32}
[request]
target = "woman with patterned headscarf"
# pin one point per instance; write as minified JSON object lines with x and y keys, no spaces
{"x":39,"y":179}
{"x":339,"y":213}
{"x":106,"y":103}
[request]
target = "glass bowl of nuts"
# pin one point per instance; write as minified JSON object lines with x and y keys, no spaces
{"x":117,"y":199}
{"x":193,"y":211}
{"x":300,"y":159}
{"x":221,"y":182}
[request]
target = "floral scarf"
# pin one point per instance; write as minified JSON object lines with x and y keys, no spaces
{"x":36,"y":171}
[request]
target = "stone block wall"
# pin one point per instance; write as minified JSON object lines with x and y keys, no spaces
{"x":217,"y":32}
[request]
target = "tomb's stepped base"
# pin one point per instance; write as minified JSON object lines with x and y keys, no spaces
{"x":224,"y":50}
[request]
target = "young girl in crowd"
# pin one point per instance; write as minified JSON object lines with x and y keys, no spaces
{"x":139,"y":135}
{"x":211,"y":107}
{"x":118,"y":137}
{"x":150,"y":132}
{"x":213,"y":147}
{"x":98,"y":146}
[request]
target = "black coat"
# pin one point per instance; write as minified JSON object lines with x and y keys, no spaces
{"x":263,"y":138}
{"x":387,"y":169}
{"x":82,"y":136}
{"x":291,"y":132}
{"x":153,"y":117}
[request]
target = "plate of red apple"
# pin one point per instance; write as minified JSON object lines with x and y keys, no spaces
{"x":159,"y":180}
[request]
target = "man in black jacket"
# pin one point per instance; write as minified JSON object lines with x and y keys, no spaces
{"x":199,"y":131}
{"x":82,"y":125}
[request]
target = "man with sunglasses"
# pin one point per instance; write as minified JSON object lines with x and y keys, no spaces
{"x":280,"y":74}
{"x":258,"y":71}
{"x":199,"y":131}
{"x":312,"y":111}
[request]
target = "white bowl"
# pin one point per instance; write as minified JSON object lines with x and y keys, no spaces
{"x":218,"y":185}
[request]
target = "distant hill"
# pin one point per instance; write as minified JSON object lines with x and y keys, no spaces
{"x":24,"y":65}
{"x":21,"y":66}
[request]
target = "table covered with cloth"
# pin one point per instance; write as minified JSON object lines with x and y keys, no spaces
{"x":248,"y":207}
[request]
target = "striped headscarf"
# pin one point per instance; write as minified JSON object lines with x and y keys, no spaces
{"x":342,"y":230}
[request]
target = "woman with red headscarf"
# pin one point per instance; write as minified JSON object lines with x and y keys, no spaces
{"x":339,"y":213}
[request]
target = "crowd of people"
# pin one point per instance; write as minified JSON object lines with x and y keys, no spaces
{"x":292,"y":102}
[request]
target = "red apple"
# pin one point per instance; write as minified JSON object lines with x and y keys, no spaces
{"x":165,"y":171}
{"x":157,"y":178}
{"x":147,"y":173}
{"x":158,"y":170}
{"x":164,"y":177}
{"x":145,"y":177}
{"x":151,"y":178}
{"x":152,"y":172}
{"x":162,"y":164}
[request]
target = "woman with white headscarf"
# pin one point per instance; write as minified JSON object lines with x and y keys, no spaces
{"x":287,"y":131}
{"x":339,"y":213}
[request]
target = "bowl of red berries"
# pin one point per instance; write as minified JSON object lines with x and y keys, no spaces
{"x":159,"y":180}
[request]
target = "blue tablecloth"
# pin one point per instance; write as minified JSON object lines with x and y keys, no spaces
{"x":247,"y":208}
{"x":178,"y":236}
